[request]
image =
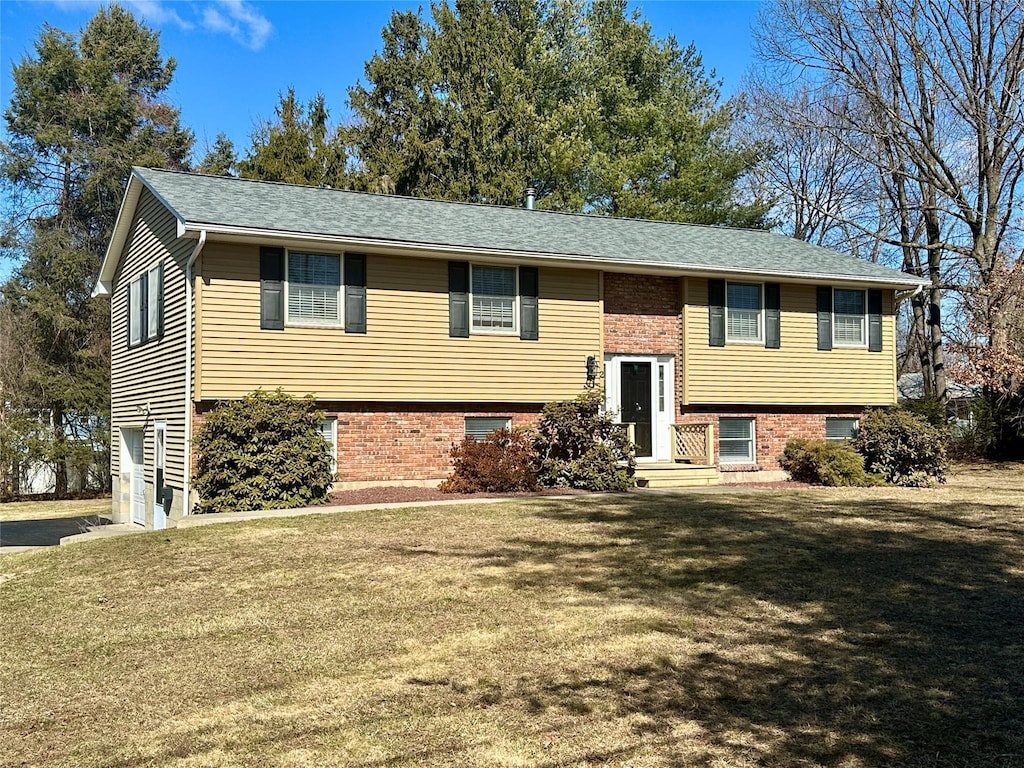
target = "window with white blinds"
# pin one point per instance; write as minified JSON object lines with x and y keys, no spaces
{"x":743,"y":312}
{"x":849,"y":318}
{"x":736,"y":441}
{"x":479,"y":427}
{"x":329,"y":432}
{"x":314,"y":288}
{"x":839,"y":429}
{"x":494,"y":298}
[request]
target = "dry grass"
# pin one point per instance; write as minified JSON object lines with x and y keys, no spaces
{"x":845,"y":628}
{"x":13,"y":511}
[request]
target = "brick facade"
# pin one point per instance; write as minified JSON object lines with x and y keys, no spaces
{"x":380,"y":442}
{"x":774,"y":426}
{"x":642,"y":314}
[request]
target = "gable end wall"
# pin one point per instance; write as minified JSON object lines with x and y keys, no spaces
{"x":151,"y":374}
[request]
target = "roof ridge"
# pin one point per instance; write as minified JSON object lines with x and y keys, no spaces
{"x":492,"y":206}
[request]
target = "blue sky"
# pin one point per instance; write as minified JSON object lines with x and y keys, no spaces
{"x":235,"y":57}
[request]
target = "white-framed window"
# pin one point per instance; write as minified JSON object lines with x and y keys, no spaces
{"x":329,"y":432}
{"x":849,"y":317}
{"x":736,"y":441}
{"x":135,"y":312}
{"x":493,"y":298}
{"x":313,"y":288}
{"x":744,"y":316}
{"x":146,"y":306}
{"x":840,"y":429}
{"x":479,"y":427}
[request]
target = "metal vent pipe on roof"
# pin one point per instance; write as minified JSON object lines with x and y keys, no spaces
{"x":531,"y":195}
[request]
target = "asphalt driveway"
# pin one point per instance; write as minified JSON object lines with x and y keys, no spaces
{"x":42,"y":533}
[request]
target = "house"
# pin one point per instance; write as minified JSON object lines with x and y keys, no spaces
{"x":960,"y":405}
{"x":415,"y":322}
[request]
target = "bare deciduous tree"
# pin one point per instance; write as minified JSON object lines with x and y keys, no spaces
{"x":922,"y":101}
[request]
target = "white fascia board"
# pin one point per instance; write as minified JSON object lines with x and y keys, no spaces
{"x":564,"y":260}
{"x":122,"y":227}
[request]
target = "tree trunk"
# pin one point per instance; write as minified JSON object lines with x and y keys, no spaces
{"x":60,"y":454}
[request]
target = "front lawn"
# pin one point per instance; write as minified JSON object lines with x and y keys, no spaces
{"x":842,"y":627}
{"x":12,"y":511}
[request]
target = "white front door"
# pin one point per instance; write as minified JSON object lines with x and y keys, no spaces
{"x":135,"y":456}
{"x":159,"y":456}
{"x":641,"y":389}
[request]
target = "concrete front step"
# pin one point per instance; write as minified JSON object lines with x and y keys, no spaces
{"x":676,"y":475}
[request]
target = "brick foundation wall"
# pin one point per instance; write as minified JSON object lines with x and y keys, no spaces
{"x":386,"y":442}
{"x":642,"y":314}
{"x":774,"y":426}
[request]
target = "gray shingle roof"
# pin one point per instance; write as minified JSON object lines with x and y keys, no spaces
{"x":910,"y":386}
{"x":284,"y":208}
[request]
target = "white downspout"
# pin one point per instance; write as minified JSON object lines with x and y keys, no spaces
{"x":190,"y":317}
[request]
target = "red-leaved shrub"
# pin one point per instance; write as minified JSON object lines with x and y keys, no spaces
{"x":505,"y":461}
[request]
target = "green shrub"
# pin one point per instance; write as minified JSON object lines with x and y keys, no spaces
{"x":821,"y":462}
{"x":504,"y":462}
{"x":581,"y":447}
{"x":901,"y":447}
{"x":264,"y":451}
{"x":931,"y":409}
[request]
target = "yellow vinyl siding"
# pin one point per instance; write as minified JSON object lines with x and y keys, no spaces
{"x":152,"y":373}
{"x":797,"y":373}
{"x":406,"y":355}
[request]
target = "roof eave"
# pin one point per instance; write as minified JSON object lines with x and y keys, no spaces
{"x":903,"y":282}
{"x":122,"y":228}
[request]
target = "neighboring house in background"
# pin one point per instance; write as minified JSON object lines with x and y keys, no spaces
{"x":415,"y":322}
{"x":960,"y":406}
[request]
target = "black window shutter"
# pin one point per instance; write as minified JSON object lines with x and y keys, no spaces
{"x":272,"y":288}
{"x":528,"y":303}
{"x":772,"y":316}
{"x":875,"y":320}
{"x":144,"y":308}
{"x":355,"y":293}
{"x":159,"y":299}
{"x":458,"y":298}
{"x":824,"y":317}
{"x":716,"y":313}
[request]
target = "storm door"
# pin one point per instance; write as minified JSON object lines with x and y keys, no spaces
{"x":635,"y":404}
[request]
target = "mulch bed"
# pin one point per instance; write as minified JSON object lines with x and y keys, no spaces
{"x":395,"y":494}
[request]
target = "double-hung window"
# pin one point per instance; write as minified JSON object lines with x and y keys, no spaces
{"x":329,"y":432}
{"x":314,"y":289}
{"x":849,"y":313}
{"x":493,"y":291}
{"x":743,"y":316}
{"x":736,"y":441}
{"x":146,"y":306}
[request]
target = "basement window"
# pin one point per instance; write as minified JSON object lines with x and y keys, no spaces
{"x":736,"y":441}
{"x":839,"y":430}
{"x":479,"y":427}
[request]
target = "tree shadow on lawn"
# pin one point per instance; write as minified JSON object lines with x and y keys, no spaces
{"x":810,"y":630}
